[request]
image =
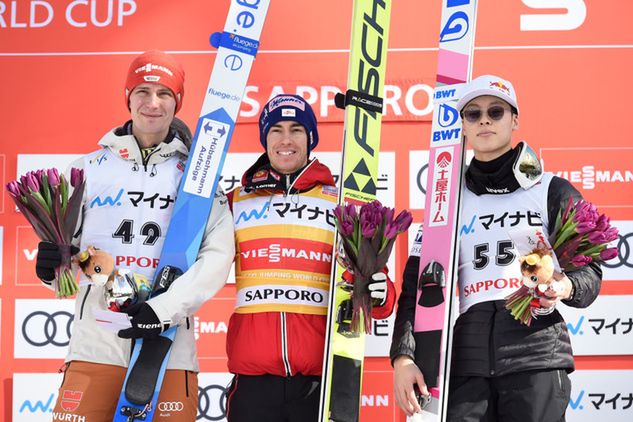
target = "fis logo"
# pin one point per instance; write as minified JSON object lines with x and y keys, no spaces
{"x":99,"y":159}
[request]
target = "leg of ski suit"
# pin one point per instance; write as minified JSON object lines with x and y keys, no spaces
{"x":271,"y":398}
{"x":531,"y":396}
{"x":91,"y":391}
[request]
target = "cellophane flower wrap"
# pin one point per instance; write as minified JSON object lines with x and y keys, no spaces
{"x":42,"y":196}
{"x":581,"y":236}
{"x":367,"y":234}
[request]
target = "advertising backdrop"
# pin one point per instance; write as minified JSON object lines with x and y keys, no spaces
{"x":63,"y":65}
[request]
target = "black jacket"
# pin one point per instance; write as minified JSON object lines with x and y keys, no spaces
{"x":487,"y":340}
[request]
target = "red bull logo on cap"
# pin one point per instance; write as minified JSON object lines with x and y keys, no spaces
{"x":501,"y":86}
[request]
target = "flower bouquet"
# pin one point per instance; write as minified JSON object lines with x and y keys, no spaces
{"x":367,"y":235}
{"x":581,"y":235}
{"x":42,"y":197}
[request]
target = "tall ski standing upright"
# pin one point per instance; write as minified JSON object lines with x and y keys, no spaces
{"x":237,"y":47}
{"x":440,"y":247}
{"x":344,"y":350}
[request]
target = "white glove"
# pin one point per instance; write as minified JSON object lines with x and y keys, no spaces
{"x":378,"y":288}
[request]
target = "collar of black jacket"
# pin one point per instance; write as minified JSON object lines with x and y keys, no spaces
{"x":493,"y":177}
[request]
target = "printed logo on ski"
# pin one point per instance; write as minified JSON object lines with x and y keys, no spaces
{"x":447,"y":117}
{"x":457,"y":24}
{"x":366,"y":123}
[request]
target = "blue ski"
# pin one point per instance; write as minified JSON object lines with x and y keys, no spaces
{"x":237,"y":47}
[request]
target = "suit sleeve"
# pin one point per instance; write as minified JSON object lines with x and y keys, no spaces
{"x":208,"y":273}
{"x":402,"y":342}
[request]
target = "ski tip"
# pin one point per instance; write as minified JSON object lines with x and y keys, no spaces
{"x":339,"y":100}
{"x":215,"y":39}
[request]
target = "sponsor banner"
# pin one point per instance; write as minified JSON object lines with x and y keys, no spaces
{"x":414,"y":240}
{"x":600,"y":178}
{"x":621,"y":267}
{"x":377,"y":402}
{"x":25,"y":256}
{"x":312,"y":214}
{"x":212,"y":388}
{"x":604,"y":328}
{"x":601,"y":396}
{"x":29,"y":162}
{"x":280,"y":297}
{"x":210,"y":327}
{"x":42,"y":328}
{"x":418,"y":176}
{"x":386,"y":182}
{"x":235,"y":164}
{"x":286,"y":254}
{"x":37,"y":25}
{"x":3,"y":179}
{"x":34,"y":396}
{"x":1,"y":252}
{"x":378,"y":343}
{"x":407,"y":99}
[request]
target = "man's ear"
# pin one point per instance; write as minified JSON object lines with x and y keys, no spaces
{"x":515,"y":121}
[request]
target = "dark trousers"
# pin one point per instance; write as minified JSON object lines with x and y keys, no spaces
{"x":531,"y":396}
{"x":270,"y":398}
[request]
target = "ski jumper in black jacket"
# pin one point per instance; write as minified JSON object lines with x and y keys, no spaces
{"x":502,"y":369}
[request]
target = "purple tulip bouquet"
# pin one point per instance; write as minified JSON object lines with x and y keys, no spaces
{"x":42,"y":197}
{"x":367,"y":235}
{"x":582,"y":236}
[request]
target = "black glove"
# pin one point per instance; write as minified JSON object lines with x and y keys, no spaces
{"x":144,"y":321}
{"x":49,"y":257}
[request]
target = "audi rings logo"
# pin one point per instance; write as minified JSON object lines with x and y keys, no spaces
{"x":422,"y":177}
{"x":624,"y":253}
{"x":170,"y":406}
{"x":41,"y":328}
{"x":211,"y":403}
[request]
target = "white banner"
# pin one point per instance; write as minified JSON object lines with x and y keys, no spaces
{"x":604,"y":328}
{"x":34,"y":396}
{"x":212,"y":387}
{"x":598,"y":396}
{"x":620,"y":267}
{"x":42,"y":328}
